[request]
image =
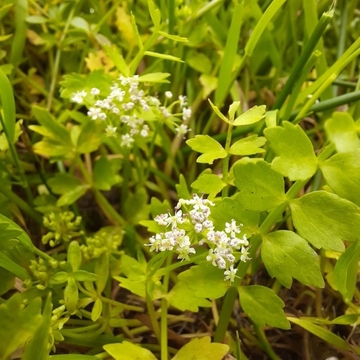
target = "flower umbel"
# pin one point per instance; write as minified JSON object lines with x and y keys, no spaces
{"x":191,"y":225}
{"x":125,"y":106}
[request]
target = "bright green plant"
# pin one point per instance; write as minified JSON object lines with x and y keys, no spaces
{"x":93,"y":160}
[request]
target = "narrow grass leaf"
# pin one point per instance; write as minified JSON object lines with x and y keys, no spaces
{"x":323,"y":334}
{"x":262,"y":25}
{"x":7,"y":114}
{"x":163,"y":56}
{"x":346,"y":271}
{"x":13,"y":267}
{"x":231,"y":47}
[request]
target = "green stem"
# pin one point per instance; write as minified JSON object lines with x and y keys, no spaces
{"x":330,"y":104}
{"x":153,"y":317}
{"x":265,"y":343}
{"x":324,"y":85}
{"x":164,"y":314}
{"x":137,"y":59}
{"x":23,"y":205}
{"x":113,"y":216}
{"x":226,"y":161}
{"x":57,"y":58}
{"x":304,"y":56}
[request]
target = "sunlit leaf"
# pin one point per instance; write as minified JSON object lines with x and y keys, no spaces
{"x":341,"y":130}
{"x":208,"y":184}
{"x":206,"y":280}
{"x":128,"y":351}
{"x":344,"y":183}
{"x":202,"y":349}
{"x":210,"y":148}
{"x":248,"y":146}
{"x":251,"y":116}
{"x":261,"y":188}
{"x":296,"y":158}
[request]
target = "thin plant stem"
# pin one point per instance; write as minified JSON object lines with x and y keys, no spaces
{"x":164,"y":314}
{"x":226,"y":161}
{"x":58,"y":57}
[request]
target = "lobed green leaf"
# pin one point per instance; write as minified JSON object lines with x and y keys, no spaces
{"x":284,"y":254}
{"x":296,"y":158}
{"x":263,"y":306}
{"x":325,"y":219}
{"x":261,"y":188}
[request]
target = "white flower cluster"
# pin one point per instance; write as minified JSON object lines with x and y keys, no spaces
{"x":123,"y":107}
{"x":194,"y":226}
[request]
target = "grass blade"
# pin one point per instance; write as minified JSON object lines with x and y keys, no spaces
{"x":229,"y":54}
{"x":305,"y":54}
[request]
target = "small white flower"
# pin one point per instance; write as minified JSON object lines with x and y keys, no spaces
{"x":244,"y":254}
{"x":182,"y":129}
{"x":110,"y":131}
{"x":186,"y":113}
{"x":94,"y":91}
{"x":144,"y":131}
{"x":230,"y":274}
{"x":94,"y":113}
{"x":126,"y":140}
{"x":168,"y":94}
{"x":212,"y":257}
{"x":165,"y":111}
{"x":78,"y":96}
{"x":232,"y":228}
{"x":183,"y":101}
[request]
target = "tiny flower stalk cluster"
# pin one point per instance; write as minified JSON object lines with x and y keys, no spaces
{"x":127,"y":106}
{"x":191,"y":226}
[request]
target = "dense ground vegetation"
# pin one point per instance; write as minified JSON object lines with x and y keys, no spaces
{"x":179,"y":179}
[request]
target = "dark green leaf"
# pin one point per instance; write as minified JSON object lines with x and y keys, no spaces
{"x":63,"y":182}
